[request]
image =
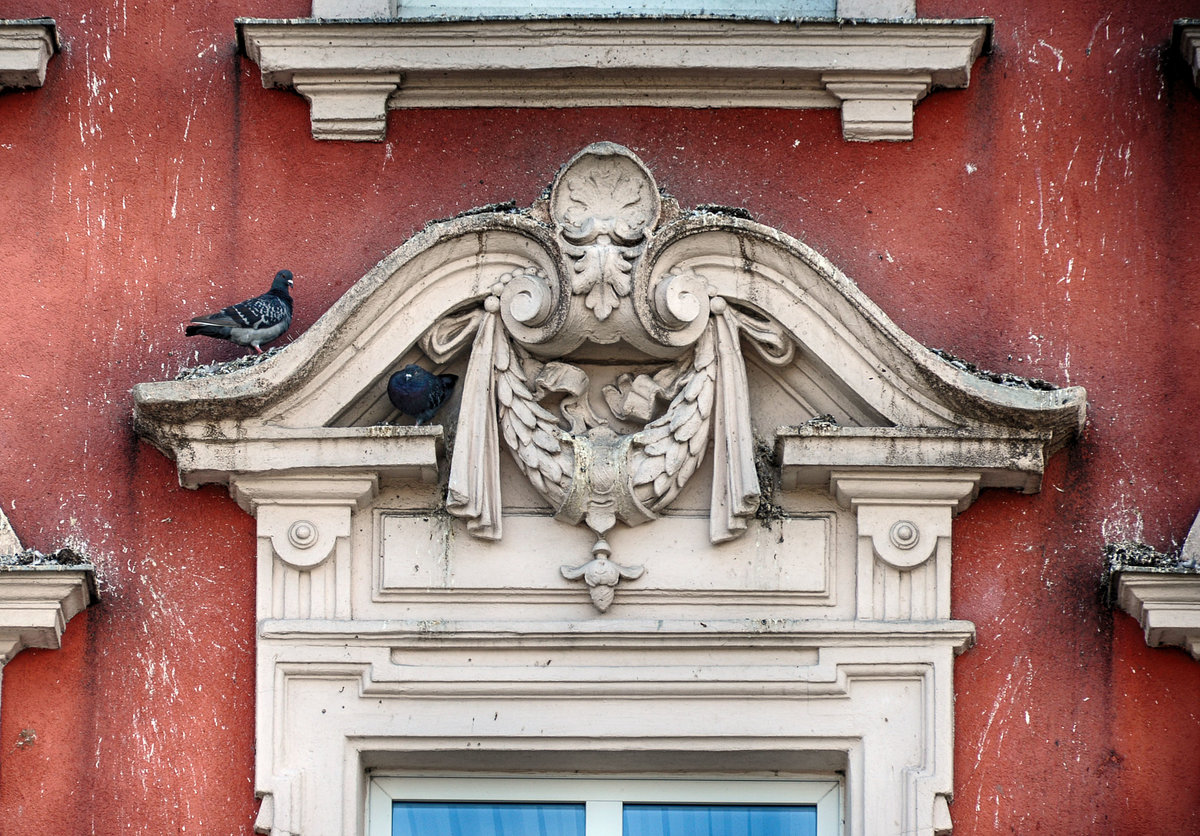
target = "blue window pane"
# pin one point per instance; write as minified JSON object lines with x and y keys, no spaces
{"x":508,"y":8}
{"x":719,"y":820}
{"x":435,"y":818}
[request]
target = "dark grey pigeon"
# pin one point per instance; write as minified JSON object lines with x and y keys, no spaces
{"x":418,"y":393}
{"x":253,"y":322}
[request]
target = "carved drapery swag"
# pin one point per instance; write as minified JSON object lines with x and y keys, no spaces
{"x":520,"y":386}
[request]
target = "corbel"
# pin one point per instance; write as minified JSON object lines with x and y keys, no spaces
{"x":904,"y":520}
{"x":304,"y":527}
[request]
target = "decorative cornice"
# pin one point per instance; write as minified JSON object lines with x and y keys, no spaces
{"x":25,"y":49}
{"x":408,"y":453}
{"x":810,"y":453}
{"x":1161,"y":590}
{"x":607,"y":261}
{"x":353,"y":72}
{"x":711,"y":634}
{"x":396,"y":10}
{"x":1165,"y":604}
{"x":37,"y":601}
{"x":38,"y":595}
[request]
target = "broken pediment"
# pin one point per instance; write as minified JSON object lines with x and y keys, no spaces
{"x":693,"y":417}
{"x":615,"y":346}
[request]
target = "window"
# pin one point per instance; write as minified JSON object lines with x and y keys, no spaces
{"x":417,"y":9}
{"x":609,"y":806}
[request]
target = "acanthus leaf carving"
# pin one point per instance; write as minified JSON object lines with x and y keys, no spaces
{"x":612,"y":198}
{"x":601,"y":276}
{"x":603,"y":203}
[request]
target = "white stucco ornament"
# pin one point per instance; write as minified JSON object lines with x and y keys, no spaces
{"x":697,"y":419}
{"x":626,"y":458}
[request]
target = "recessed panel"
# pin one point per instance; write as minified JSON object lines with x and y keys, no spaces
{"x":433,"y":552}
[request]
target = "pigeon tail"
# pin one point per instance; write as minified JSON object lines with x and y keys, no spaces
{"x":207,"y":329}
{"x":447,"y":382}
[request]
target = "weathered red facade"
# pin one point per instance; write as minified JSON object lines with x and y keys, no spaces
{"x":1041,"y":223}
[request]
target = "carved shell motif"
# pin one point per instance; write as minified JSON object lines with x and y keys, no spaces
{"x":605,"y":205}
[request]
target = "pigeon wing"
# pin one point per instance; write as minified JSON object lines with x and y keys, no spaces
{"x":259,"y":312}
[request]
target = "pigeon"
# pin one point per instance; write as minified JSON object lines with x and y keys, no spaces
{"x":253,"y":322}
{"x":418,"y":393}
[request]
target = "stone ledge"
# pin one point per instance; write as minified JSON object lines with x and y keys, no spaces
{"x":352,"y":73}
{"x":809,"y":454}
{"x":1165,"y":604}
{"x":395,"y":9}
{"x":37,"y":601}
{"x":26,"y":47}
{"x":617,"y":633}
{"x":1159,"y":589}
{"x":392,"y":452}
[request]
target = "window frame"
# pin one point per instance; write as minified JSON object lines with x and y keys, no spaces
{"x":604,"y":795}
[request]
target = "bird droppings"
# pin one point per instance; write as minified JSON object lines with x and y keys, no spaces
{"x":1003,"y":378}
{"x":33,"y":557}
{"x":728,"y":211}
{"x":508,"y":207}
{"x":26,"y":738}
{"x":1130,"y":556}
{"x":227,"y":366}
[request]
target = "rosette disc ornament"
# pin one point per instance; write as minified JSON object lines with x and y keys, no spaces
{"x":620,"y":452}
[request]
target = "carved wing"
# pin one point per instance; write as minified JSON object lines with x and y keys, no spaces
{"x":530,"y":430}
{"x":667,"y":452}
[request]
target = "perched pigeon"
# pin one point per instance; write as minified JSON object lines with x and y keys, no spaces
{"x":253,"y":322}
{"x":419,"y":393}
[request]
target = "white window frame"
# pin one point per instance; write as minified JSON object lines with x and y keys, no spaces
{"x":605,"y":795}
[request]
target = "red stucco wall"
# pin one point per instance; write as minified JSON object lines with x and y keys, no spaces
{"x":1042,"y":222}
